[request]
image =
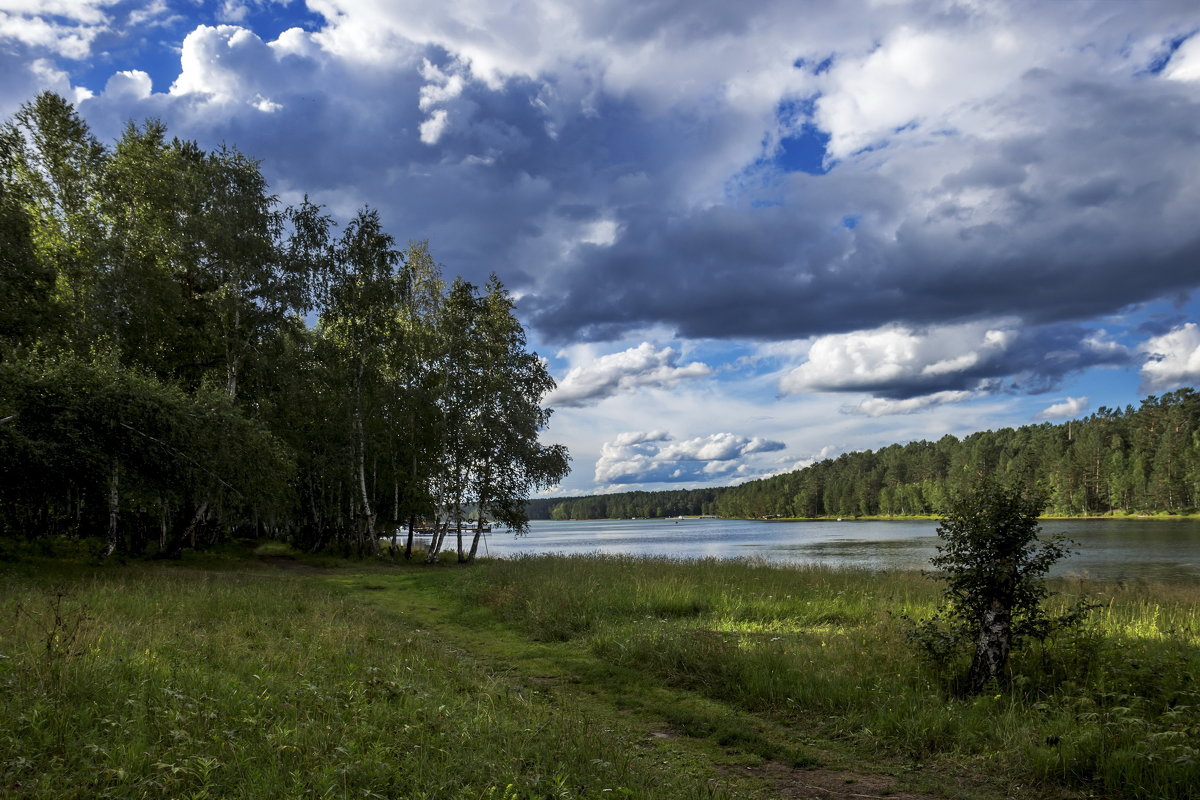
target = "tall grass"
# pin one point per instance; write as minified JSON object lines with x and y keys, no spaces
{"x":1113,"y":706}
{"x":166,"y":681}
{"x":155,"y":682}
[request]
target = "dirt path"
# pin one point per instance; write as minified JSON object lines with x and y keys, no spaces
{"x":576,"y":679}
{"x":292,"y":565}
{"x":829,"y":784}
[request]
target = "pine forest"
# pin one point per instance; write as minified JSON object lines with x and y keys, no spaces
{"x":1132,"y":461}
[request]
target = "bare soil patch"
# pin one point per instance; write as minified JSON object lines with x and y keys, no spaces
{"x":292,"y":565}
{"x":828,"y":784}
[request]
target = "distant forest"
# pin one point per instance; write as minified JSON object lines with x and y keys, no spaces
{"x":1144,"y":460}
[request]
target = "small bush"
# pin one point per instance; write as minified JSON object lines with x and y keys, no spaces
{"x":993,"y":563}
{"x":275,"y":549}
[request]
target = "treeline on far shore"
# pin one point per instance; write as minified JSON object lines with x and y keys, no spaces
{"x":1144,"y":460}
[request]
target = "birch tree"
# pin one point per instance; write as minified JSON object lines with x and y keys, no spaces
{"x":52,"y":166}
{"x":359,"y":321}
{"x":460,"y":402}
{"x":25,"y":282}
{"x":509,"y":460}
{"x":419,"y":435}
{"x":993,"y":563}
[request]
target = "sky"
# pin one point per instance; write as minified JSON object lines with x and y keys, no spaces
{"x":744,"y":236}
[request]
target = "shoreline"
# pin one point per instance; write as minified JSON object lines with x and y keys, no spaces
{"x":1163,"y":516}
{"x":937,"y":517}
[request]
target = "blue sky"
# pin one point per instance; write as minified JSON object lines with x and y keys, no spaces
{"x":744,"y":236}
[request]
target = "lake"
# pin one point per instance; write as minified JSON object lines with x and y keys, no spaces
{"x":1107,"y":549}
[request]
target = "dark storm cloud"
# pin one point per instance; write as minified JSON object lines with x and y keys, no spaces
{"x":1084,"y":219}
{"x":1064,"y":192}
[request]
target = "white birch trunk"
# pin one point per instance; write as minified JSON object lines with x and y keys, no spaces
{"x":114,"y":510}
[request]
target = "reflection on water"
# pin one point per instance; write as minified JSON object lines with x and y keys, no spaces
{"x":1107,"y":549}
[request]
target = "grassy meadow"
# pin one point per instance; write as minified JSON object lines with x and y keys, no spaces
{"x":550,"y":677}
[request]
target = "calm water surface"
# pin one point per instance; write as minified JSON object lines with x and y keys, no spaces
{"x":1107,"y":549}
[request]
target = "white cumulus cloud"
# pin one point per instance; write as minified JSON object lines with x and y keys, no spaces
{"x":640,"y":367}
{"x":1173,"y":359}
{"x":1185,"y":63}
{"x":653,"y":457}
{"x":895,"y":356}
{"x":1067,"y":409}
{"x":882,"y":406}
{"x":37,"y":23}
{"x":717,"y":447}
{"x":921,"y":79}
{"x":433,"y":128}
{"x":224,"y":62}
{"x":133,"y":83}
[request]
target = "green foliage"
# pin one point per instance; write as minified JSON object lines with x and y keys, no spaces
{"x":74,"y":419}
{"x":993,"y":564}
{"x":162,"y":386}
{"x":990,"y":552}
{"x":25,"y":302}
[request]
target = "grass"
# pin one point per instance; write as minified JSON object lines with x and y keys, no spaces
{"x":1113,"y":707}
{"x":553,"y":677}
{"x":154,"y":681}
